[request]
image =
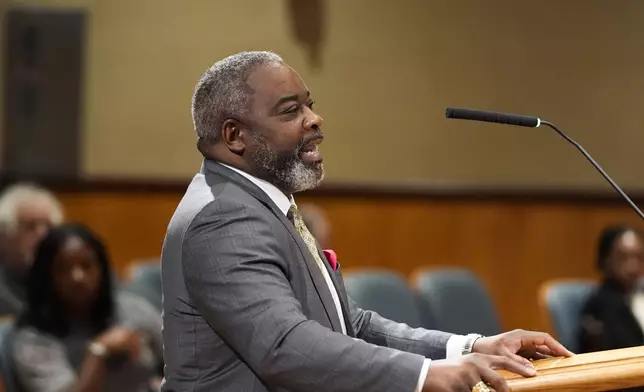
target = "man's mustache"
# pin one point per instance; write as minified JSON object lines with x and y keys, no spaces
{"x":318,"y":135}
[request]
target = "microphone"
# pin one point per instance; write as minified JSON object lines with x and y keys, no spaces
{"x":501,"y":118}
{"x":534,"y":122}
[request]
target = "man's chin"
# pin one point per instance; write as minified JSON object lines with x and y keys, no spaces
{"x":314,"y":177}
{"x":318,"y":169}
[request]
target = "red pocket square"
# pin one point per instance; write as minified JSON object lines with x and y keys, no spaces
{"x":332,"y":258}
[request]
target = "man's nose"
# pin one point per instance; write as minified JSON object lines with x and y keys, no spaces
{"x":313,"y":120}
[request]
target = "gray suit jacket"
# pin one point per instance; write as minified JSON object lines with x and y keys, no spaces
{"x":246,"y":308}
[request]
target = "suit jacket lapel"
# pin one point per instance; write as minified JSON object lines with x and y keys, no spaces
{"x":318,"y":279}
{"x":338,"y":283}
{"x":316,"y":275}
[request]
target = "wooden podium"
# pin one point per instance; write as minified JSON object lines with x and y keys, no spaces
{"x":594,"y":372}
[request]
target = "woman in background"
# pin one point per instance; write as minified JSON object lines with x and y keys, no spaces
{"x":77,"y":333}
{"x":613,"y":317}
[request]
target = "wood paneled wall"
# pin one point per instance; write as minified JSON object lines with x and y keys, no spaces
{"x":513,"y":243}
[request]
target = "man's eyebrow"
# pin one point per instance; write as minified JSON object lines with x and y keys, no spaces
{"x":286,"y":99}
{"x":289,"y":98}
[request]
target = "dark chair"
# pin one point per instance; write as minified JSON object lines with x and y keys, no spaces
{"x":384,"y":292}
{"x":145,"y":280}
{"x":455,"y":300}
{"x":6,"y":358}
{"x":562,"y":301}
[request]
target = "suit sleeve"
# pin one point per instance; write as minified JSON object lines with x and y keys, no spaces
{"x":373,"y":328}
{"x":234,"y":269}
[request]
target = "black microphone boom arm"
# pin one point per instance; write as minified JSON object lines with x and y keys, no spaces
{"x":528,"y":121}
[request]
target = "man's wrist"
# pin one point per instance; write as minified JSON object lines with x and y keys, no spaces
{"x":470,"y":340}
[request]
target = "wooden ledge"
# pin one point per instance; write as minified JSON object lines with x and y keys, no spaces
{"x":593,"y":372}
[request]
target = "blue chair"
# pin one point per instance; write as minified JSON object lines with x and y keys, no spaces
{"x":562,"y":301}
{"x":6,"y":359}
{"x":384,"y":292}
{"x":455,"y":300}
{"x":145,"y":280}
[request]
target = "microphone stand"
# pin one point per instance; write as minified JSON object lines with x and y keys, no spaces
{"x":596,"y":166}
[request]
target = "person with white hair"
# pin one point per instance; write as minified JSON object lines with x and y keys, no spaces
{"x":27,"y":212}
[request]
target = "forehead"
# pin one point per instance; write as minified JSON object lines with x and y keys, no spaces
{"x":273,"y":81}
{"x":31,"y":209}
{"x":629,"y":240}
{"x":74,"y":249}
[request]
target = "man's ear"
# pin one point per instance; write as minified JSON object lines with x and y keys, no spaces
{"x":233,"y":134}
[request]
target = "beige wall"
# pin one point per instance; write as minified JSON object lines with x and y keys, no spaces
{"x":390,"y":67}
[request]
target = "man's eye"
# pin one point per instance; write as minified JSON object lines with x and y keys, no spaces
{"x":291,"y":109}
{"x":311,"y":104}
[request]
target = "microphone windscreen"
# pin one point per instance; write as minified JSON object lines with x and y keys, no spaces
{"x":494,"y":117}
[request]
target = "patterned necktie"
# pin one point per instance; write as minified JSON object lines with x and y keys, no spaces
{"x":295,"y":217}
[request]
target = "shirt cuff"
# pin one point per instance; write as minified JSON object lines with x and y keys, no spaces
{"x":423,"y":375}
{"x":455,"y":346}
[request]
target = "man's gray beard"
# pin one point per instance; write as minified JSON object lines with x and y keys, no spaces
{"x":289,"y":173}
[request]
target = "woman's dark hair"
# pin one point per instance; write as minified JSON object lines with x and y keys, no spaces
{"x":44,"y":308}
{"x":607,"y":239}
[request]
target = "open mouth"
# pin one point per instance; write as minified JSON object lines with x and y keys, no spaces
{"x":310,"y":152}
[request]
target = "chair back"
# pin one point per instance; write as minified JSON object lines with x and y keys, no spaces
{"x":562,"y":301}
{"x":145,"y":280}
{"x":7,"y":329}
{"x":455,"y":300}
{"x":384,"y":292}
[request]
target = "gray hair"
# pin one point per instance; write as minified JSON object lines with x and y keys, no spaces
{"x":15,"y":195}
{"x":222,"y":92}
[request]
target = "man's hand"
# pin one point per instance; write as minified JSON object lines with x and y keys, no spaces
{"x":462,"y":374}
{"x":519,"y":345}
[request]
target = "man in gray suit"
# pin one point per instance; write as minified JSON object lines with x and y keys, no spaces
{"x":250,"y":302}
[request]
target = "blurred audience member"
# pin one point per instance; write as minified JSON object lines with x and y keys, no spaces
{"x":27,"y":212}
{"x":614,"y":315}
{"x":78,"y":333}
{"x":318,"y":224}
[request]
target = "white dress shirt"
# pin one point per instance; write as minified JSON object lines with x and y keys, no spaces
{"x":455,"y":344}
{"x":637,"y":307}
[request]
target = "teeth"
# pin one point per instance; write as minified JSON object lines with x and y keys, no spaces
{"x":310,"y":151}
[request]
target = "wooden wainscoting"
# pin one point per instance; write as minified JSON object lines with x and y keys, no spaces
{"x":513,"y":242}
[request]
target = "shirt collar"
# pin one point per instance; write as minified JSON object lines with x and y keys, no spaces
{"x":278,"y":197}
